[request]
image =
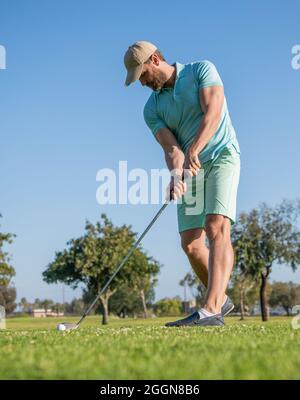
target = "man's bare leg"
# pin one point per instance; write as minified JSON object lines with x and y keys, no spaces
{"x":193,"y":244}
{"x":221,"y":258}
{"x":218,"y":258}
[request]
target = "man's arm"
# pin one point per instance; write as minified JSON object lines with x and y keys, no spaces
{"x":174,"y":157}
{"x":211,"y":100}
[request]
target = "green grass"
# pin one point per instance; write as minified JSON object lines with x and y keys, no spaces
{"x":145,"y":349}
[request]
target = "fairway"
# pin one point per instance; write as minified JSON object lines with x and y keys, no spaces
{"x":145,"y":349}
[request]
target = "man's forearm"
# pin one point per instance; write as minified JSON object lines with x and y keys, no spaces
{"x":175,"y":159}
{"x":207,"y":129}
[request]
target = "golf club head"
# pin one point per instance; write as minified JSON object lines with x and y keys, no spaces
{"x":65,"y":326}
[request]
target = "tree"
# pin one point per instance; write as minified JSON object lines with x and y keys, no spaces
{"x":197,"y":288}
{"x":242,"y":282}
{"x":7,"y":298}
{"x":6,"y":270}
{"x":144,"y":270}
{"x":268,"y":236}
{"x":243,"y":291}
{"x":47,"y":304}
{"x":7,"y":294}
{"x":58,"y":307}
{"x":126,"y":301}
{"x":285,"y":295}
{"x":76,"y":307}
{"x":24,"y":305}
{"x":94,"y":257}
{"x":37,"y":303}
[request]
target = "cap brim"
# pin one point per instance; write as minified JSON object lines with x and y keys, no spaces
{"x":133,"y":74}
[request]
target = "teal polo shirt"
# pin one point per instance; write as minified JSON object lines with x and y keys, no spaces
{"x":178,"y":108}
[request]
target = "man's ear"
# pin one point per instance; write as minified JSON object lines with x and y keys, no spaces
{"x":155,"y":59}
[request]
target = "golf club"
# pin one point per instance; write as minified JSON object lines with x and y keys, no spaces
{"x":64,"y":326}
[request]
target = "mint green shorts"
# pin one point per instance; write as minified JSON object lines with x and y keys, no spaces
{"x":212,"y":191}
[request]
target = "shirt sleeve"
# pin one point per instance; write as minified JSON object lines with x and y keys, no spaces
{"x":207,"y":74}
{"x":151,"y":118}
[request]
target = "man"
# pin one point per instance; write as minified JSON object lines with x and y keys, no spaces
{"x":187,"y":113}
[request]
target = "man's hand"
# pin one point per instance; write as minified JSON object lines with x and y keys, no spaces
{"x":176,"y":187}
{"x":191,"y":165}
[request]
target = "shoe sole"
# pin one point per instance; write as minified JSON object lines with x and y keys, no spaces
{"x":192,"y":326}
{"x":229,"y":311}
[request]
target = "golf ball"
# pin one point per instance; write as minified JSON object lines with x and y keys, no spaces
{"x":61,"y":327}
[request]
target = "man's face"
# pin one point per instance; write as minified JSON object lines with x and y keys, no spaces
{"x":152,"y":76}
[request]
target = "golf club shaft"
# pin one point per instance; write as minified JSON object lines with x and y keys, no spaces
{"x":122,"y":263}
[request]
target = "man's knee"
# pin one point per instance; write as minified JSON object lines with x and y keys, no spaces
{"x":193,"y":244}
{"x":189,"y":248}
{"x":216,"y":225}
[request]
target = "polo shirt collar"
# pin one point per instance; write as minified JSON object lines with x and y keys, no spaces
{"x":179,"y":74}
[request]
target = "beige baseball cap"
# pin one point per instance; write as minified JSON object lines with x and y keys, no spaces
{"x":135,"y":57}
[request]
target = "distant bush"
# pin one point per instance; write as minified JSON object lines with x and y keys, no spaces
{"x":168,"y":307}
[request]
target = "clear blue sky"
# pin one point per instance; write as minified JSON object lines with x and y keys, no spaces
{"x":65,"y":113}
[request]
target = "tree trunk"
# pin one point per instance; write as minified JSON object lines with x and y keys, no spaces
{"x":287,"y":310}
{"x":263,"y":297}
{"x":144,"y":303}
{"x":242,"y":304}
{"x":104,"y":302}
